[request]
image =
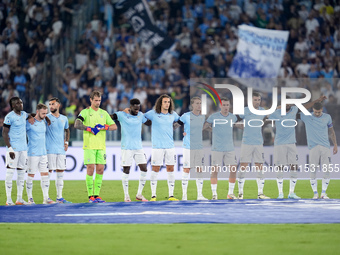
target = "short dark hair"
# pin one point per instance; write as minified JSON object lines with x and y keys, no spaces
{"x":225,"y":99}
{"x":41,"y":106}
{"x":12,"y":100}
{"x":317,"y":106}
{"x":55,"y":99}
{"x":134,"y":101}
{"x":256,"y":94}
{"x":95,"y":94}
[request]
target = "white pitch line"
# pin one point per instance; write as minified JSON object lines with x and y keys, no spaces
{"x":129,"y":214}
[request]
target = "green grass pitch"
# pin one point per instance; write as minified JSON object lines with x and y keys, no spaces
{"x":172,"y":239}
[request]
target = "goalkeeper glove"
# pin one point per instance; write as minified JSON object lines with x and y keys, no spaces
{"x":92,"y":130}
{"x":99,"y":126}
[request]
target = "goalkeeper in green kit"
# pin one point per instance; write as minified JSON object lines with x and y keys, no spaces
{"x":95,"y":122}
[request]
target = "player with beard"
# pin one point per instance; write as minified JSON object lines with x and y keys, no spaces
{"x":37,"y":156}
{"x":57,"y":137}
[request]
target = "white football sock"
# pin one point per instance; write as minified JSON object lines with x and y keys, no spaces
{"x":231,"y":188}
{"x":29,"y":186}
{"x":314,"y":184}
{"x":45,"y":185}
{"x":8,"y":183}
{"x":280,"y":185}
{"x":153,"y":183}
{"x":260,"y":182}
{"x":171,"y":183}
{"x":241,"y":181}
{"x":20,"y":183}
{"x":125,"y":183}
{"x":214,"y":189}
{"x":279,"y":181}
{"x":260,"y":185}
{"x":292,"y":182}
{"x":325,"y":183}
{"x":59,"y":184}
{"x":142,"y":180}
{"x":185,"y":178}
{"x":199,"y":184}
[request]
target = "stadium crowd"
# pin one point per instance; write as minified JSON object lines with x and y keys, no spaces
{"x":117,"y":63}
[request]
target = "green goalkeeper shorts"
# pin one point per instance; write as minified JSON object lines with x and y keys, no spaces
{"x":94,"y":157}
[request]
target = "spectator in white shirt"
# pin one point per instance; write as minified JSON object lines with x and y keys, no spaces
{"x":302,"y":68}
{"x":57,"y":26}
{"x":303,"y":13}
{"x":250,"y":8}
{"x":141,"y":95}
{"x":301,"y":45}
{"x":234,"y":10}
{"x":112,"y":99}
{"x":312,"y":24}
{"x":4,"y":69}
{"x":12,"y":49}
{"x":32,"y":70}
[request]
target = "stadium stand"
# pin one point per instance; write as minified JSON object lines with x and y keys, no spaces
{"x":68,"y":48}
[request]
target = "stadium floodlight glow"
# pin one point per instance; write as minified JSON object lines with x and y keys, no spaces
{"x":238,"y":100}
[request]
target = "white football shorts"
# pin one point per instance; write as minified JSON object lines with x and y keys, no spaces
{"x":249,"y":152}
{"x":285,"y":154}
{"x":319,"y":156}
{"x":20,"y":160}
{"x":128,"y":155}
{"x":56,"y":161}
{"x":157,"y":156}
{"x":192,"y":158}
{"x":37,"y":163}
{"x":226,"y":157}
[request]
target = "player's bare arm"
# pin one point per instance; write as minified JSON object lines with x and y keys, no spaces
{"x":5,"y":135}
{"x":79,"y":125}
{"x":207,"y":126}
{"x":30,"y":118}
{"x":310,"y":104}
{"x":148,"y":123}
{"x":237,"y":124}
{"x":114,"y":117}
{"x":48,"y":120}
{"x":332,"y":135}
{"x":177,"y":124}
{"x":112,"y":127}
{"x":67,"y":138}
